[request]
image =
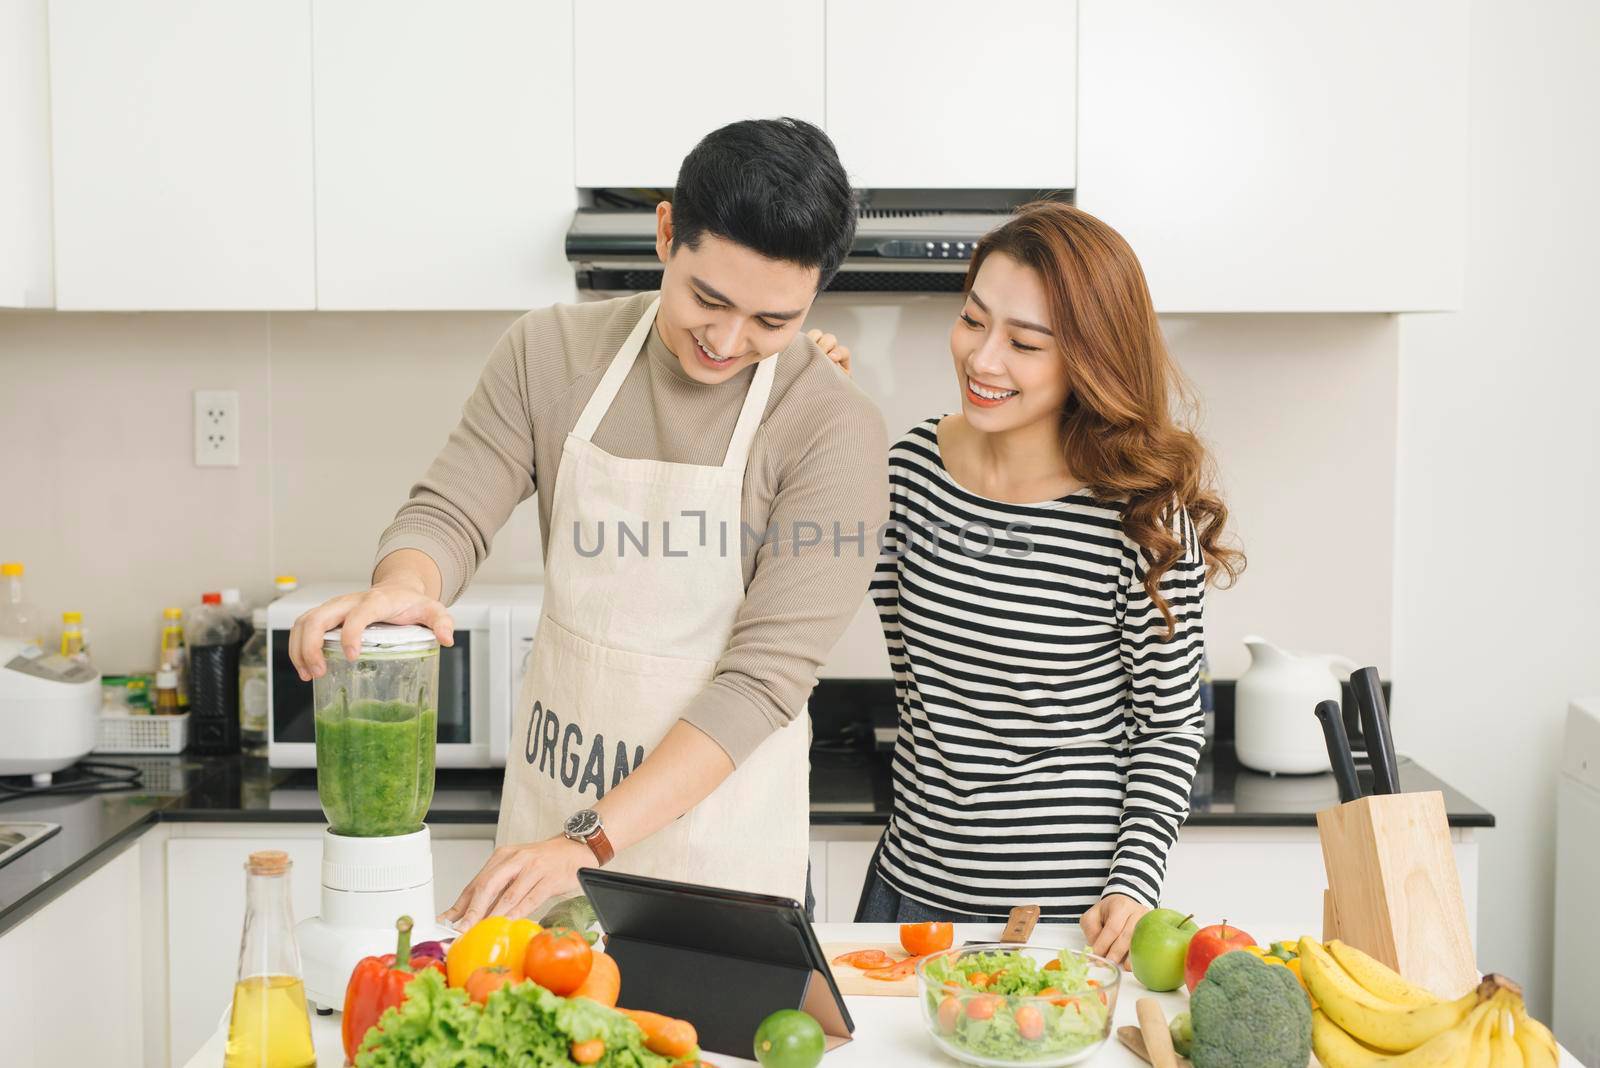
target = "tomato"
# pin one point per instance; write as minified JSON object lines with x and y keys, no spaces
{"x":979,"y":979}
{"x":1030,"y":1024}
{"x":789,"y":1038}
{"x":1058,"y":1001}
{"x":949,"y":1014}
{"x":485,"y":981}
{"x":865,"y":958}
{"x":982,"y":1007}
{"x":920,"y":939}
{"x":558,"y":960}
{"x":895,"y":971}
{"x":1053,"y":966}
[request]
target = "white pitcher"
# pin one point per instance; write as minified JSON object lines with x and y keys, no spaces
{"x":1274,"y":728}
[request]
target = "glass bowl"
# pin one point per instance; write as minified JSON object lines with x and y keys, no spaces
{"x":992,"y":1024}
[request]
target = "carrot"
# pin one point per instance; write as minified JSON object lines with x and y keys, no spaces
{"x":603,"y":983}
{"x":663,"y":1034}
{"x":588,"y":1052}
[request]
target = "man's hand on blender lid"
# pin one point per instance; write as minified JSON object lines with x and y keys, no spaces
{"x":387,"y":602}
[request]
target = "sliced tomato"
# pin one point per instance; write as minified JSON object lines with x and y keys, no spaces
{"x":895,"y":971}
{"x":865,"y":958}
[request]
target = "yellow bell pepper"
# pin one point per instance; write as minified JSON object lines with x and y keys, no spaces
{"x":495,"y":942}
{"x":1263,"y":955}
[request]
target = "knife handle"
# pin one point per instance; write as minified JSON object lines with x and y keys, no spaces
{"x":1375,"y":728}
{"x":1344,"y":765}
{"x":1020,"y":927}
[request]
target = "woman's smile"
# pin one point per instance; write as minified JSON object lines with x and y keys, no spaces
{"x":985,"y":395}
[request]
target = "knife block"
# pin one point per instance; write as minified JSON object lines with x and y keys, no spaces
{"x":1394,"y":891}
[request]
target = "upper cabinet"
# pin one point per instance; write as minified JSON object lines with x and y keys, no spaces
{"x":1262,"y":156}
{"x":951,"y":94}
{"x":653,"y":78}
{"x":182,"y":154}
{"x":444,"y":153}
{"x":25,"y":255}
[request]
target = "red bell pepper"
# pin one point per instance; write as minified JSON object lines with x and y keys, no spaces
{"x":379,"y":983}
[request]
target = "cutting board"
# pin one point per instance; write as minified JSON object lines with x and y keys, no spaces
{"x":853,"y":982}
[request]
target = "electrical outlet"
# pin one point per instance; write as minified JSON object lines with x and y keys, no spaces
{"x":216,"y":428}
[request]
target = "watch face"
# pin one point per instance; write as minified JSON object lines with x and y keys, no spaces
{"x":583,"y":824}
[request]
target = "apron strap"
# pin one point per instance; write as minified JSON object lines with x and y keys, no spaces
{"x":616,"y":374}
{"x":755,"y":406}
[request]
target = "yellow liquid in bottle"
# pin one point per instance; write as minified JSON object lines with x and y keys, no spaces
{"x":270,"y":1027}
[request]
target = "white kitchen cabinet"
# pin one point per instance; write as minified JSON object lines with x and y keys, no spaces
{"x":1261,"y":156}
{"x":205,"y":905}
{"x":82,"y":953}
{"x":653,"y":78}
{"x":942,"y":94}
{"x":443,"y":153}
{"x":25,"y":255}
{"x":182,"y":154}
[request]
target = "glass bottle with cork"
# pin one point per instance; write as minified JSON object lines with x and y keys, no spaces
{"x":269,"y":1026}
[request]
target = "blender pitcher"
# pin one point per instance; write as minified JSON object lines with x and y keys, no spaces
{"x":375,"y":719}
{"x":376,"y":723}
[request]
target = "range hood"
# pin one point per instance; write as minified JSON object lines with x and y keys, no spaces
{"x":896,"y":250}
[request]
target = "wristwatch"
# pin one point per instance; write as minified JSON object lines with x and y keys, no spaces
{"x":585,"y":827}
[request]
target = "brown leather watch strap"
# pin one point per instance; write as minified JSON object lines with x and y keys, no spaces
{"x":601,"y":846}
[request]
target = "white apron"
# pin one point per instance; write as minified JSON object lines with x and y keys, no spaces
{"x":629,"y":636}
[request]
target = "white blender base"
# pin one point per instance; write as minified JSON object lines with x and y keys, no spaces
{"x":367,"y":884}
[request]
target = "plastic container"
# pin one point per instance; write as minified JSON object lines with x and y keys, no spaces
{"x":212,"y":638}
{"x":1006,"y":1030}
{"x":376,"y":728}
{"x":74,"y":643}
{"x":20,"y":618}
{"x":253,"y":708}
{"x":142,"y":734}
{"x":284,"y":585}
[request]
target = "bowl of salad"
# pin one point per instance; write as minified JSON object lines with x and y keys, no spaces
{"x":1000,"y":1005}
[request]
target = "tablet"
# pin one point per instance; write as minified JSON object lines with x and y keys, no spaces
{"x":722,"y":959}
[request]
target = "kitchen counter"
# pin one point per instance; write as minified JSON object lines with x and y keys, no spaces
{"x":888,"y":1030}
{"x":849,"y":787}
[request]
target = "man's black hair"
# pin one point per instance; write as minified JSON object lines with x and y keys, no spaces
{"x":774,"y":186}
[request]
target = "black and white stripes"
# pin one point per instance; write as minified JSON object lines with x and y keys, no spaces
{"x":1048,"y":729}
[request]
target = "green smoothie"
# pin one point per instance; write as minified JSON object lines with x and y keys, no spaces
{"x":375,"y":767}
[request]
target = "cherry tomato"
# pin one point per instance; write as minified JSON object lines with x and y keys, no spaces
{"x":982,"y":1007}
{"x":485,"y":981}
{"x":949,"y":1014}
{"x":1053,"y":966}
{"x":1030,"y":1024}
{"x":558,"y":960}
{"x":979,"y":979}
{"x":920,"y":939}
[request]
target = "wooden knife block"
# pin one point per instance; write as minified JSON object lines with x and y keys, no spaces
{"x":1394,"y":891}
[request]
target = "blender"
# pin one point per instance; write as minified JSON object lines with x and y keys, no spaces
{"x":376,"y":720}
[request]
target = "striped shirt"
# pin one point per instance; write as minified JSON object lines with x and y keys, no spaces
{"x":1048,"y":729}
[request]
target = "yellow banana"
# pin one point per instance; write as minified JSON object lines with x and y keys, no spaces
{"x":1451,"y":1048}
{"x":1505,"y":1053}
{"x":1377,"y":1021}
{"x":1377,"y":977}
{"x":1538,"y":1045}
{"x":1481,"y":1054}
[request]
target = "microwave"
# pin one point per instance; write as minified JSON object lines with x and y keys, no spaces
{"x":479,"y":676}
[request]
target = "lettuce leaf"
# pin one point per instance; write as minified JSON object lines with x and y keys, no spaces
{"x":522,"y":1024}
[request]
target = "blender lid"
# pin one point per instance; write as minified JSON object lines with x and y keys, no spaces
{"x":390,"y":637}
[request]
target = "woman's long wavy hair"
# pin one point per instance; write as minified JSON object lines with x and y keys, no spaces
{"x":1118,"y":430}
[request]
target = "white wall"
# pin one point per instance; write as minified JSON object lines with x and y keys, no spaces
{"x":1499,"y":464}
{"x":341,"y":411}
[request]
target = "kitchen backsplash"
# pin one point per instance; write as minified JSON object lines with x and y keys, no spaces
{"x":341,"y":411}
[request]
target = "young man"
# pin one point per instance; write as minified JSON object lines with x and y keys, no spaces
{"x":710,"y":488}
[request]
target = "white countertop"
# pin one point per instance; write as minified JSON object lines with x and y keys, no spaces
{"x":889,"y":1030}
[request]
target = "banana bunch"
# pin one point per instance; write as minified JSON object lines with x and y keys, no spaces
{"x":1369,"y":1017}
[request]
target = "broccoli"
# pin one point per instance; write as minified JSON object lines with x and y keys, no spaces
{"x":1248,"y":1014}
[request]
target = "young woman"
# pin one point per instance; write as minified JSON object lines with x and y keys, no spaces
{"x":1040,"y":591}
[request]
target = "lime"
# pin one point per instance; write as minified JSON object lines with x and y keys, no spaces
{"x":789,"y":1038}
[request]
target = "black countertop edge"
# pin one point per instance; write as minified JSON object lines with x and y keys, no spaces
{"x":849,"y":787}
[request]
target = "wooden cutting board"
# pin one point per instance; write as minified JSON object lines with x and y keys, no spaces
{"x":853,"y":982}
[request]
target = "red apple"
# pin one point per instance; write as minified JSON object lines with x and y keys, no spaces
{"x":1207,"y":945}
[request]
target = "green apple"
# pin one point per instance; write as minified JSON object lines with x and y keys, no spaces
{"x":1160,"y":944}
